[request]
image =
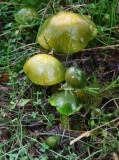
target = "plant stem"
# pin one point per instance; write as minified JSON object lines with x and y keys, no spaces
{"x":64,"y":121}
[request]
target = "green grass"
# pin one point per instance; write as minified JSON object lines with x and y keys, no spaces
{"x":27,"y":119}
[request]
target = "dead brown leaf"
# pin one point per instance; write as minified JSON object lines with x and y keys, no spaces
{"x":4,"y":88}
{"x":5,"y":77}
{"x":117,"y":124}
{"x":4,"y":103}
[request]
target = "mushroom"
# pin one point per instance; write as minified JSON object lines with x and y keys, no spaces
{"x":66,"y":103}
{"x":52,"y":141}
{"x":67,"y":32}
{"x":26,"y":16}
{"x":75,"y":78}
{"x":43,"y":69}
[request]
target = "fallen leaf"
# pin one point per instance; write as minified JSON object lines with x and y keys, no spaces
{"x":4,"y":88}
{"x":80,"y":94}
{"x":4,"y":103}
{"x":14,"y":120}
{"x":117,"y":124}
{"x":5,"y":77}
{"x":4,"y":135}
{"x":23,"y":102}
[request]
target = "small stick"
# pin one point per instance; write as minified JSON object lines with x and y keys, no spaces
{"x":84,"y":134}
{"x":106,"y":47}
{"x":116,"y":103}
{"x":13,"y":3}
{"x":89,"y":152}
{"x":115,"y":156}
{"x":52,"y":7}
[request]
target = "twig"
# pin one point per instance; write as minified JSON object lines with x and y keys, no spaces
{"x":116,"y":104}
{"x":73,"y":7}
{"x":108,"y":102}
{"x":106,"y":47}
{"x":52,"y":7}
{"x":115,"y":156}
{"x":13,"y":3}
{"x":85,"y":6}
{"x":81,"y":57}
{"x":84,"y":134}
{"x":89,"y":152}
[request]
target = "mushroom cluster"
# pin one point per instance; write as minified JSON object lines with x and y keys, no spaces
{"x":66,"y":32}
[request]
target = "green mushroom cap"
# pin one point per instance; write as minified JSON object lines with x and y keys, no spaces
{"x":66,"y":103}
{"x":76,"y":78}
{"x":67,"y":32}
{"x":44,"y":69}
{"x":26,"y":16}
{"x":52,"y":141}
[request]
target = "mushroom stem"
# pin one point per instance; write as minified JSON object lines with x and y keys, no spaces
{"x":64,"y":121}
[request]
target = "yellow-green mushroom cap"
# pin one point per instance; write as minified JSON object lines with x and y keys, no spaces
{"x":26,"y":16}
{"x":43,"y":69}
{"x":67,"y":32}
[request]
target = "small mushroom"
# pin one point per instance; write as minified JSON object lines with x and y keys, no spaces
{"x":26,"y":16}
{"x":43,"y":69}
{"x":52,"y":141}
{"x":67,"y":32}
{"x":66,"y":103}
{"x":75,"y":78}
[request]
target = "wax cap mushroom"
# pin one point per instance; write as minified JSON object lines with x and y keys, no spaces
{"x":52,"y":141}
{"x":43,"y":69}
{"x":26,"y":16}
{"x":66,"y":103}
{"x":67,"y":29}
{"x":75,"y":77}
